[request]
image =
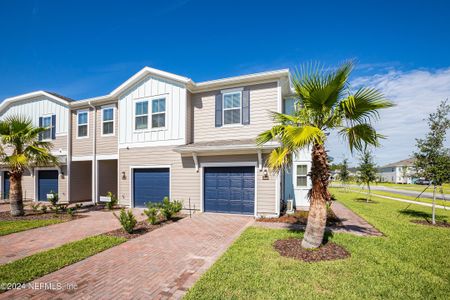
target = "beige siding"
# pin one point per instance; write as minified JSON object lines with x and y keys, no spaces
{"x":28,"y":186}
{"x":82,"y":146}
{"x":60,"y":143}
{"x":62,"y":185}
{"x":189,"y":118}
{"x":263,"y":99}
{"x":106,"y":144}
{"x":185,"y":181}
{"x":107,"y":177}
{"x":81,"y":181}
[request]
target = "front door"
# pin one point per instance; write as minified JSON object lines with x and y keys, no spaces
{"x":6,"y":185}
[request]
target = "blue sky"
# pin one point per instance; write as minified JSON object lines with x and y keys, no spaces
{"x":87,"y":48}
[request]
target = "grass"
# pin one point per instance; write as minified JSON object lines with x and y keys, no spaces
{"x":8,"y":227}
{"x":394,"y":195}
{"x":411,"y":261}
{"x":406,"y":187}
{"x":37,"y":265}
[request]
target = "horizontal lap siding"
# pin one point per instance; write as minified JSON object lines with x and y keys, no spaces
{"x":28,"y":186}
{"x":263,"y":99}
{"x":60,"y":143}
{"x":83,"y":146}
{"x":106,"y":144}
{"x":185,"y":181}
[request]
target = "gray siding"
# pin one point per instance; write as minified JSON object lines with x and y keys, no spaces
{"x":263,"y":99}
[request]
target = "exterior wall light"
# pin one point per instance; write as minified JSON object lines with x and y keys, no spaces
{"x":265,"y":175}
{"x":124,"y":177}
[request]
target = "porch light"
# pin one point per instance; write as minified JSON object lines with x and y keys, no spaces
{"x":124,"y":177}
{"x":265,"y":175}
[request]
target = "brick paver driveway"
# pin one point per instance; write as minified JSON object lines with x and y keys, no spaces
{"x":161,"y":264}
{"x":25,"y":243}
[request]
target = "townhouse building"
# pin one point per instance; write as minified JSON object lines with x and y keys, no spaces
{"x":160,"y":134}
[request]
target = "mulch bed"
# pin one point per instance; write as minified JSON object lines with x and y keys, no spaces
{"x":301,"y":217}
{"x":141,"y":228}
{"x":32,"y":215}
{"x":292,"y":248}
{"x":444,"y":224}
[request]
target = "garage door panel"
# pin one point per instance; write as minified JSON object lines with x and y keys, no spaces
{"x":47,"y":183}
{"x":150,"y":185}
{"x":235,"y":189}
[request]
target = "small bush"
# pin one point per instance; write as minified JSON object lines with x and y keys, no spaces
{"x":110,"y":205}
{"x":166,"y":209}
{"x":127,"y":220}
{"x":54,"y":201}
{"x":44,"y":209}
{"x":152,"y":214}
{"x":71,"y":211}
{"x":35,"y":207}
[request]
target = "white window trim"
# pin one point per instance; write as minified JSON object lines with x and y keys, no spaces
{"x":113,"y":107}
{"x":152,"y":113}
{"x":231,"y":92}
{"x":308,"y":167}
{"x":78,"y":125}
{"x":51,"y":127}
{"x":149,"y":113}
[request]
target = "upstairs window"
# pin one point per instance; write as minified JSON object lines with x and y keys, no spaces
{"x":232,"y":108}
{"x":82,"y":124}
{"x":47,"y":123}
{"x":108,"y":121}
{"x":141,"y":115}
{"x":302,"y":174}
{"x":158,"y":113}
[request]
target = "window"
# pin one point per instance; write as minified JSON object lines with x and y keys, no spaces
{"x":141,"y":115}
{"x":158,"y":113}
{"x":82,"y":126}
{"x":108,"y":120}
{"x":47,"y":123}
{"x":232,"y":108}
{"x":302,"y":174}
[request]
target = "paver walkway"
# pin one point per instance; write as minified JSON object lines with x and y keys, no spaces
{"x":351,"y":223}
{"x":161,"y":264}
{"x":25,"y":243}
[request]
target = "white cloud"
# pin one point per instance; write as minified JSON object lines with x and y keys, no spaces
{"x":416,"y":93}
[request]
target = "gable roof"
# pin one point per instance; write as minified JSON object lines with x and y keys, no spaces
{"x":51,"y":95}
{"x":406,"y":162}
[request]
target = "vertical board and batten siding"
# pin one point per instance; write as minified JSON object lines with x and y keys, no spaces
{"x":189,"y":118}
{"x":38,"y":107}
{"x":263,"y":99}
{"x":175,"y":131}
{"x":82,"y":146}
{"x":106,"y":144}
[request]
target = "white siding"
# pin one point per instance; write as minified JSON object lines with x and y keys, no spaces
{"x":175,"y":131}
{"x":37,"y":107}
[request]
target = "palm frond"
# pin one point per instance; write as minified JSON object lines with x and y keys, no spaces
{"x":279,"y":158}
{"x":270,"y":135}
{"x":297,"y":137}
{"x":360,"y":135}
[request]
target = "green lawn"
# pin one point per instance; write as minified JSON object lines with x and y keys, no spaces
{"x":407,"y":187}
{"x":394,"y":195}
{"x":411,"y":261}
{"x":8,"y":227}
{"x":37,"y":265}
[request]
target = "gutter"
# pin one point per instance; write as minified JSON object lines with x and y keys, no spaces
{"x":94,"y":155}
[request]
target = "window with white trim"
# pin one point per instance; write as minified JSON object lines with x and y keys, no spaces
{"x":302,"y":175}
{"x":141,"y":115}
{"x":159,"y":113}
{"x":47,"y":123}
{"x":232,"y":108}
{"x":82,"y":124}
{"x":107,"y":120}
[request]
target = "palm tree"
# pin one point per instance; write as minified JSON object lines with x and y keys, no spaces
{"x":325,"y":103}
{"x":20,"y":149}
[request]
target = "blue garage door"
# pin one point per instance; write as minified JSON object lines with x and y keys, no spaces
{"x":230,"y":190}
{"x":150,"y":185}
{"x":47,"y":183}
{"x":5,"y":185}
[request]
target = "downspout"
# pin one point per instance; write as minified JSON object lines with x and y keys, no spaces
{"x":94,"y":155}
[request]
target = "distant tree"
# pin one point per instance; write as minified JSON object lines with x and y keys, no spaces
{"x":367,"y":171}
{"x":344,"y":173}
{"x":432,"y":159}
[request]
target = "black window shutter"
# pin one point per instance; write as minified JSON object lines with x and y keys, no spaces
{"x":53,"y":127}
{"x":245,"y":107}
{"x":219,"y":110}
{"x":40,"y":125}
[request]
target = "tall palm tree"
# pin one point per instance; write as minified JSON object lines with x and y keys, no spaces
{"x":325,"y":104}
{"x":20,"y":149}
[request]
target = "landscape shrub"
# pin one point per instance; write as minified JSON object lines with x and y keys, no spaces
{"x":110,"y":205}
{"x":127,"y":220}
{"x":163,"y":210}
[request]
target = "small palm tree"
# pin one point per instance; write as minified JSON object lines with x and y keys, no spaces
{"x":20,"y":149}
{"x":325,"y":103}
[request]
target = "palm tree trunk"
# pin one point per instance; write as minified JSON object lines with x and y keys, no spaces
{"x":319,"y":196}
{"x":15,"y":195}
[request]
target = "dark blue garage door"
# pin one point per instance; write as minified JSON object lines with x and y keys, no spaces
{"x":47,"y":183}
{"x":230,"y":190}
{"x":5,"y":185}
{"x":150,"y":185}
